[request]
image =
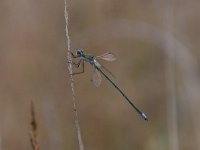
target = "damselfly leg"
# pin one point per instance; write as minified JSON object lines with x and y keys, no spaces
{"x":73,"y":55}
{"x":77,"y":65}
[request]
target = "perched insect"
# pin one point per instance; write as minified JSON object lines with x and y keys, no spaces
{"x":98,"y":70}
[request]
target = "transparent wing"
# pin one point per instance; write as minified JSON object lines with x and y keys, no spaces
{"x":107,"y":56}
{"x":96,"y":78}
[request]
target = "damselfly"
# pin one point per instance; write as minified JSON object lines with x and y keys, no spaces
{"x":98,"y":68}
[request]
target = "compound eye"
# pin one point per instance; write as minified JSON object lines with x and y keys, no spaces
{"x":78,"y":53}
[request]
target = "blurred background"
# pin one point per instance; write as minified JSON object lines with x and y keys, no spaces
{"x":157,"y":46}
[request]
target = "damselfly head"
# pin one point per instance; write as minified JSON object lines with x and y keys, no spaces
{"x":79,"y":53}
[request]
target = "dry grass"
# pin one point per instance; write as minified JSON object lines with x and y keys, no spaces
{"x":33,"y":132}
{"x":76,"y":120}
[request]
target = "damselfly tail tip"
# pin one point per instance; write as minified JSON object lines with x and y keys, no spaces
{"x":144,"y":116}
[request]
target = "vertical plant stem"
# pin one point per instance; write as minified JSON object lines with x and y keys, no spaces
{"x":191,"y":85}
{"x":78,"y":130}
{"x":170,"y":71}
{"x":1,"y":143}
{"x":33,"y":133}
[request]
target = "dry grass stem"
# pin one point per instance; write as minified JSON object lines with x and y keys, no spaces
{"x":77,"y":125}
{"x":33,"y":132}
{"x":1,"y":143}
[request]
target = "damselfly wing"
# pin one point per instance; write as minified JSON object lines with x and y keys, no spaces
{"x":107,"y":56}
{"x":96,"y":78}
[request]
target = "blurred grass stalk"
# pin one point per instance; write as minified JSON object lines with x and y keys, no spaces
{"x":1,"y":142}
{"x":170,"y":74}
{"x":33,"y":132}
{"x":179,"y":56}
